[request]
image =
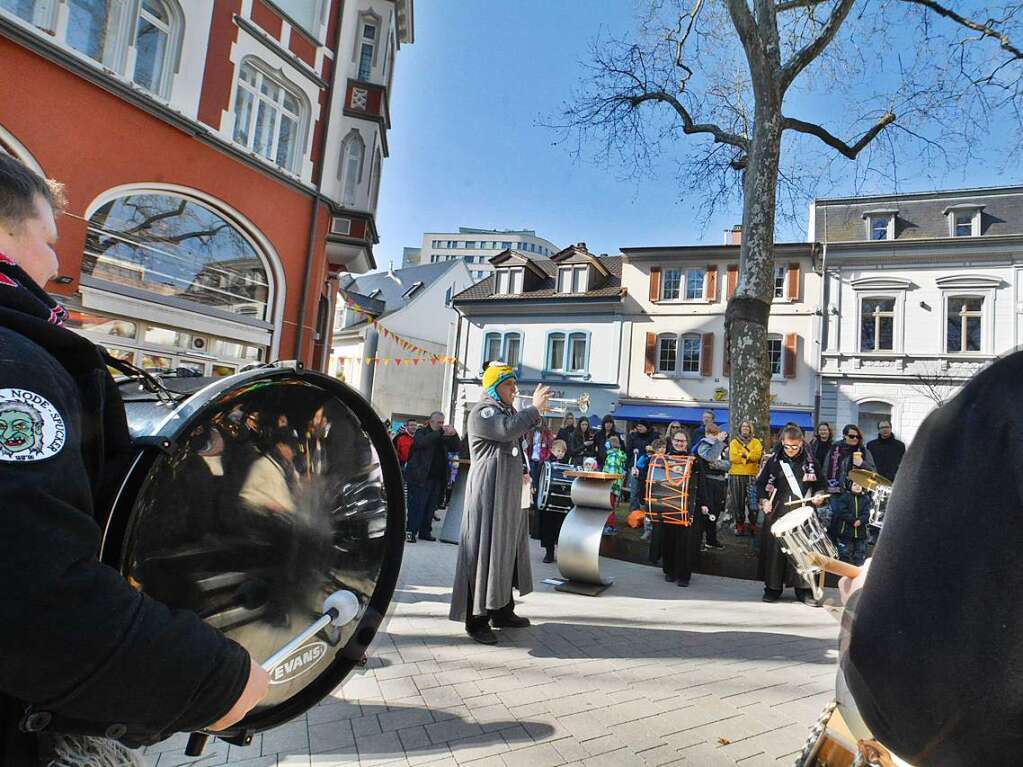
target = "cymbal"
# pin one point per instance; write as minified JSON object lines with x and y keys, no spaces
{"x":869,"y":480}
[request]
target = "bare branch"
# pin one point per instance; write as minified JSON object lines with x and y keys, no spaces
{"x":789,"y":5}
{"x":802,"y":58}
{"x":688,"y":126}
{"x":849,"y":150}
{"x":985,"y":29}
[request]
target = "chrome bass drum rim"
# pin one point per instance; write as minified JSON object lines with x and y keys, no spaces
{"x":169,"y":436}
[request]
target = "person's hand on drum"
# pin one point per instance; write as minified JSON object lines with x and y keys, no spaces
{"x":849,"y":586}
{"x":255,"y":690}
{"x":542,"y":397}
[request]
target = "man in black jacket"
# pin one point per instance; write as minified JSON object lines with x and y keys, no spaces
{"x":426,"y":475}
{"x":935,"y":651}
{"x":81,"y":651}
{"x":887,"y":451}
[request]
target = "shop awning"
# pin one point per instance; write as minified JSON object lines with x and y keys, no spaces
{"x":669,"y":413}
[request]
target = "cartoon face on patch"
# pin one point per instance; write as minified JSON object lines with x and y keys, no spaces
{"x":21,"y":429}
{"x":31,"y":428}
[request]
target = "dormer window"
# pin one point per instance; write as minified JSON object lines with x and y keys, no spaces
{"x":508,"y":281}
{"x":880,"y":224}
{"x":573,"y":279}
{"x":964,"y":220}
{"x":374,"y":293}
{"x":412,"y":289}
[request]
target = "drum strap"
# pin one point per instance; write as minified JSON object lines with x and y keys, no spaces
{"x":790,"y":477}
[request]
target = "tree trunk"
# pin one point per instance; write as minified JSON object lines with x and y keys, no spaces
{"x":750,"y":395}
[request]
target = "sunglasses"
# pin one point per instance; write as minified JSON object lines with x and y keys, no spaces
{"x":790,"y":447}
{"x":853,"y":436}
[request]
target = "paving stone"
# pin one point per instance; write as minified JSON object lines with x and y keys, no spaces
{"x":640,"y":676}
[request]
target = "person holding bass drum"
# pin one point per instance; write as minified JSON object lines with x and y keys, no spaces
{"x":84,"y":653}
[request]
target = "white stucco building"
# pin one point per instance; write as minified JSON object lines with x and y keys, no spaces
{"x":557,"y":320}
{"x":674,"y":362}
{"x":415,"y":304}
{"x":478,"y":246}
{"x":921,"y":292}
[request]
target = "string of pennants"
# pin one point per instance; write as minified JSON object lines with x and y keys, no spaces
{"x":428,"y":357}
{"x":433,"y":360}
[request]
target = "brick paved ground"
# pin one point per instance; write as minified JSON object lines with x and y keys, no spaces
{"x":646,"y":674}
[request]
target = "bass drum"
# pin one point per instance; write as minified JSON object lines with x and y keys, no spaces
{"x":251,"y":499}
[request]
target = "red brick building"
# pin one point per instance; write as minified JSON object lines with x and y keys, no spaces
{"x":222,"y":163}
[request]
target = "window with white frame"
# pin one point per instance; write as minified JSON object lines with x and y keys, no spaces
{"x":775,"y":355}
{"x":556,"y":351}
{"x":877,"y":324}
{"x":307,"y":13}
{"x":964,"y":220}
{"x":667,"y":354}
{"x":491,"y":348}
{"x":512,"y":349}
{"x":572,"y":279}
{"x":268,"y":117}
{"x":779,"y":282}
{"x":964,"y":315}
{"x":367,"y":44}
{"x":671,"y":284}
{"x":577,"y":353}
{"x":374,"y":182}
{"x":694,"y":284}
{"x":692,"y":347}
{"x":963,"y":226}
{"x":516,"y":276}
{"x":353,"y":155}
{"x":567,"y":352}
{"x":138,"y":39}
{"x":881,"y":227}
{"x":501,"y":281}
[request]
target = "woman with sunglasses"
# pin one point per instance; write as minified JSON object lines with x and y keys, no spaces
{"x":787,"y":476}
{"x":848,"y":453}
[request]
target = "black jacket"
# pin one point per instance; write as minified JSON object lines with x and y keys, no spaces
{"x":579,"y":450}
{"x":637,"y":442}
{"x":79,"y":647}
{"x":935,"y":655}
{"x":845,"y":510}
{"x":888,"y":455}
{"x":429,"y":457}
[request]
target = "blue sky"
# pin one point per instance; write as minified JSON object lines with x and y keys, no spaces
{"x":466,"y":148}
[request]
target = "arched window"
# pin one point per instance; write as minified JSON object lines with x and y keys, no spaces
{"x":139,"y":40}
{"x":269,"y":117}
{"x":353,"y":152}
{"x":177,"y":247}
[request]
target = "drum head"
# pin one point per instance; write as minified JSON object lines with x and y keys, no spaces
{"x":792,"y":520}
{"x":273,"y":489}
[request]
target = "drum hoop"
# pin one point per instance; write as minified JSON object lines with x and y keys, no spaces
{"x":375,"y":610}
{"x":792,"y":520}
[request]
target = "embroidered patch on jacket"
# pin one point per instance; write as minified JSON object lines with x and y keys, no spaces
{"x":487,"y":412}
{"x":31,"y":429}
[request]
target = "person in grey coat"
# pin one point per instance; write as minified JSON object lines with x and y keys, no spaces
{"x":493,"y":550}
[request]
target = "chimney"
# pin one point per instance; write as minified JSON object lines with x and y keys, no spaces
{"x":733,"y":236}
{"x":581,"y":246}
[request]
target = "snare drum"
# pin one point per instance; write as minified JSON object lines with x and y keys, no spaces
{"x":802,"y":537}
{"x":555,"y":491}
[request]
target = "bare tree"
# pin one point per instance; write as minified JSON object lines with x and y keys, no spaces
{"x":936,"y":383}
{"x":747,"y":82}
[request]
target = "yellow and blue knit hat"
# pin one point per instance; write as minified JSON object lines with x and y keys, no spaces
{"x":495,"y":375}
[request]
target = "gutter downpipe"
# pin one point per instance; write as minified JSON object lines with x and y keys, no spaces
{"x":454,"y":367}
{"x":825,"y":318}
{"x":318,"y":198}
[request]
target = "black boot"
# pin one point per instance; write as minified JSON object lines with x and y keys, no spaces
{"x":548,"y":556}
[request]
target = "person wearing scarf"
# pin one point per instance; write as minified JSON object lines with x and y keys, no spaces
{"x":111,"y":664}
{"x":846,"y":455}
{"x":745,"y":452}
{"x":788,"y":476}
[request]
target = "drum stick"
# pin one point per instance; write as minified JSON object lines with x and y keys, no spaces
{"x":834,"y":566}
{"x":804,"y":501}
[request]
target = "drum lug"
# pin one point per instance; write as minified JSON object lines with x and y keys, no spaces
{"x":162,"y":444}
{"x":362,"y":662}
{"x":244,"y":738}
